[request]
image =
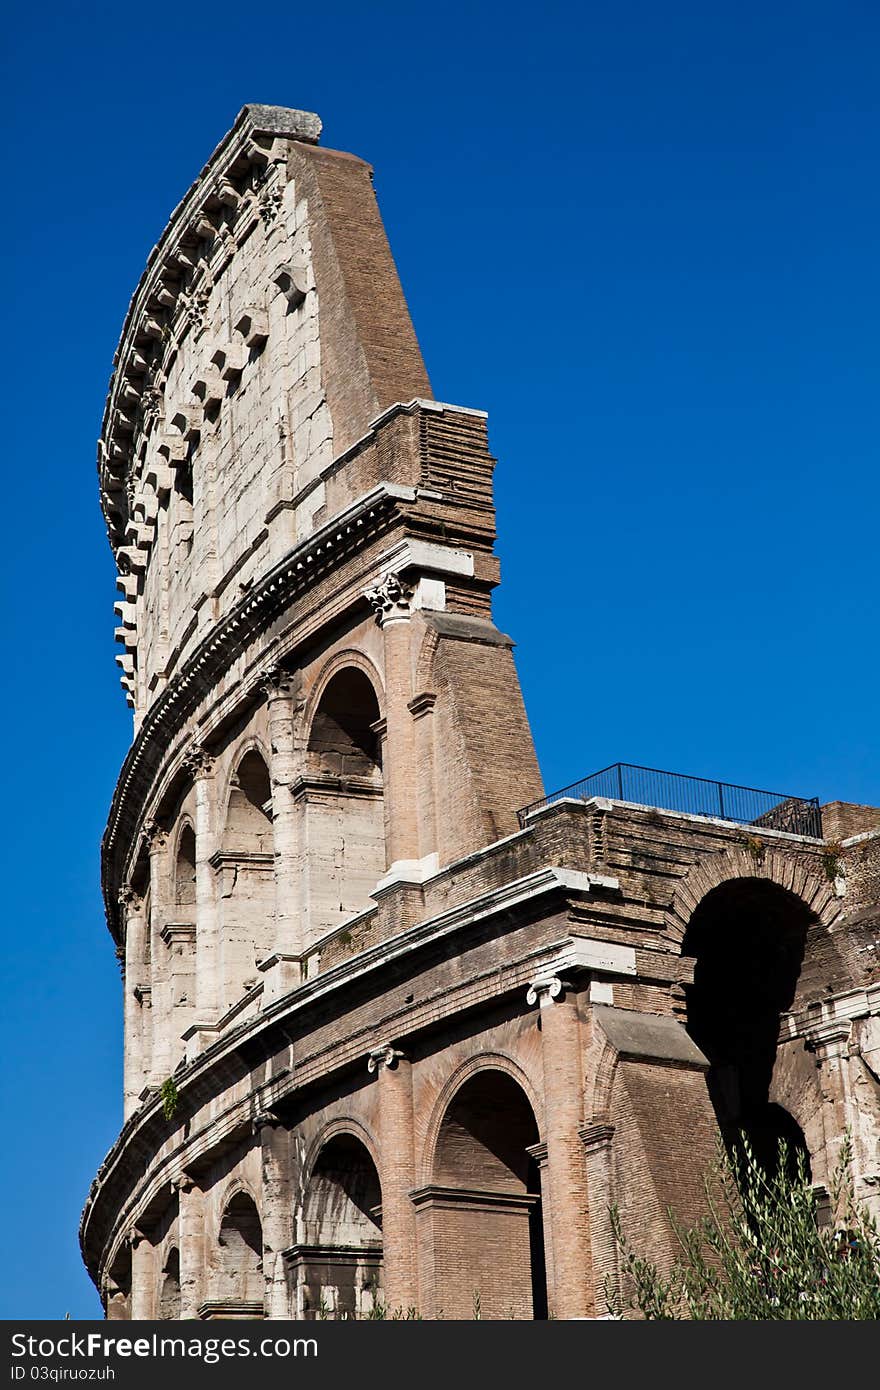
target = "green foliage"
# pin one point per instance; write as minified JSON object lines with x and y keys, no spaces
{"x":170,"y":1097}
{"x":759,"y":1254}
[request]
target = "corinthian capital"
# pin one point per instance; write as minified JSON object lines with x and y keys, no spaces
{"x":390,"y":598}
{"x":197,"y":761}
{"x":275,"y":682}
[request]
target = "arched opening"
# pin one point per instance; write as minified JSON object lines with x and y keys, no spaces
{"x":169,"y":1288}
{"x":185,"y":873}
{"x":249,"y":812}
{"x":338,"y":1260}
{"x":484,"y":1204}
{"x":343,"y":802}
{"x":240,"y":1249}
{"x":245,"y":869}
{"x":748,"y":938}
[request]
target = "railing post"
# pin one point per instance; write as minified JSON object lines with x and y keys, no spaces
{"x":721,"y":798}
{"x":620,"y":781}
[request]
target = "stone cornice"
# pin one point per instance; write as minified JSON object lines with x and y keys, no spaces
{"x":177,"y":279}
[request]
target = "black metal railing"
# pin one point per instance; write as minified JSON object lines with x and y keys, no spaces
{"x":696,"y":796}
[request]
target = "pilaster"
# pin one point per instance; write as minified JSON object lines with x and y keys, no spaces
{"x":393,"y":1070}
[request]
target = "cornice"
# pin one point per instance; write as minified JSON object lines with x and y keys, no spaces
{"x":220,"y":206}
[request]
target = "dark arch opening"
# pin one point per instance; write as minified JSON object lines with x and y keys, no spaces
{"x":342,"y":739}
{"x":339,"y":1259}
{"x":748,"y":939}
{"x":488,"y":1221}
{"x":185,"y":869}
{"x":249,"y":812}
{"x":240,"y":1245}
{"x":343,"y":801}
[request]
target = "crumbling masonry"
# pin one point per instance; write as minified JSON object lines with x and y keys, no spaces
{"x":385,"y":1039}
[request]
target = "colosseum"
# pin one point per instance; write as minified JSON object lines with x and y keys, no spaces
{"x":399,"y":1027}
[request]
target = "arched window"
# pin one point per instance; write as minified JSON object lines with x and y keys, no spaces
{"x":249,"y":813}
{"x":344,"y":806}
{"x":185,"y":871}
{"x":240,"y":1251}
{"x":484,"y":1205}
{"x":245,"y":868}
{"x":338,"y":1260}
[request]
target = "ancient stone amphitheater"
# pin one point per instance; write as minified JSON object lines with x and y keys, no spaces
{"x":398,"y":1028}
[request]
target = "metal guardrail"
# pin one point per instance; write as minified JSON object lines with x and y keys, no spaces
{"x":697,"y":796}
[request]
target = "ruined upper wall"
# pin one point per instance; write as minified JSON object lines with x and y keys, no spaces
{"x":268,"y":330}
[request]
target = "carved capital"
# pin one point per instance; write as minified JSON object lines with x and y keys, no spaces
{"x":384,"y":1057}
{"x":197,"y":761}
{"x":155,"y":835}
{"x":275,"y":682}
{"x":390,"y":598}
{"x":130,"y":901}
{"x":545,"y":990}
{"x":264,"y":1119}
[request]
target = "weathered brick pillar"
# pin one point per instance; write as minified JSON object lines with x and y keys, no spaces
{"x":571,"y":1295}
{"x":277,"y":1210}
{"x":597,"y":1148}
{"x":191,"y":1243}
{"x":399,"y":1256}
{"x":201,"y":767}
{"x":539,"y":1154}
{"x":391,"y":603}
{"x":136,"y":1058}
{"x":161,"y":1063}
{"x":278,"y":685}
{"x":422,"y":711}
{"x":143,"y":1277}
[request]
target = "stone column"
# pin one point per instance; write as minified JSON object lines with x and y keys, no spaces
{"x":136,"y":1056}
{"x":399,"y":1255}
{"x":277,"y":1210}
{"x":143,"y":1277}
{"x":278,"y":686}
{"x":391,"y":603}
{"x":572,"y":1293}
{"x":162,"y":1063}
{"x":201,"y":768}
{"x":191,"y":1244}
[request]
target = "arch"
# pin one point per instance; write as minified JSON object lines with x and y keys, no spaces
{"x":483,"y":1204}
{"x":737,"y":863}
{"x":338,"y":1257}
{"x":341,"y":798}
{"x":169,"y":1286}
{"x":240,"y":1252}
{"x":248,"y":820}
{"x":749,"y":937}
{"x":350,"y":657}
{"x":485,"y":1061}
{"x":185,"y":866}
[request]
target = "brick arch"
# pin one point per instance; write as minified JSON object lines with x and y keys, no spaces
{"x":341,"y":1125}
{"x":341,"y":661}
{"x":718,"y":869}
{"x":486,"y":1061}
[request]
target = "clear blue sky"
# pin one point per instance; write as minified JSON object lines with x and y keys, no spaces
{"x":643,"y":236}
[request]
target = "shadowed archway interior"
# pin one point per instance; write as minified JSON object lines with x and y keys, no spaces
{"x":748,"y":937}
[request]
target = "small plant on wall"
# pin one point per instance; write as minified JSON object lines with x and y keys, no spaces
{"x":170,"y":1097}
{"x":832,"y":860}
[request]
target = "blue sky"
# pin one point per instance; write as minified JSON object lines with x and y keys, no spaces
{"x":643,"y":237}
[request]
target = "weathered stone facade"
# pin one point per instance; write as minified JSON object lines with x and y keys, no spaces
{"x":381,"y":1038}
